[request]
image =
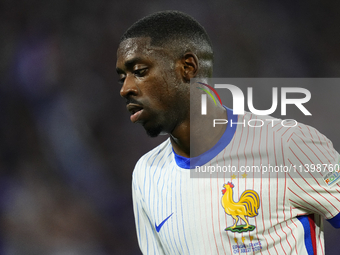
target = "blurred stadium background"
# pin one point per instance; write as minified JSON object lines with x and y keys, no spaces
{"x":67,"y":147}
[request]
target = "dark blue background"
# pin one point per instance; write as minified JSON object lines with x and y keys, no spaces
{"x":67,"y":147}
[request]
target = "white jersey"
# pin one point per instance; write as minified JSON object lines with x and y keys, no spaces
{"x":237,"y":212}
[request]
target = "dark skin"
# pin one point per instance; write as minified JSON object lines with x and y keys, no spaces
{"x":156,"y":86}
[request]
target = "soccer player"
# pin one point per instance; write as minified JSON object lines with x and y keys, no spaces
{"x":236,"y":213}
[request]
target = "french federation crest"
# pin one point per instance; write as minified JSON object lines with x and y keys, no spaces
{"x":247,"y":206}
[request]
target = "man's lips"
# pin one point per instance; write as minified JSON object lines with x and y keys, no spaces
{"x":135,"y":110}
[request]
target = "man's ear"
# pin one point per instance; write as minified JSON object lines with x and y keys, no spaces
{"x":189,"y":66}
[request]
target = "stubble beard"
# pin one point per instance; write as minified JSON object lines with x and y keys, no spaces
{"x":154,"y":132}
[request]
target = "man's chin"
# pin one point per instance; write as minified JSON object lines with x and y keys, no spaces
{"x":154,"y":132}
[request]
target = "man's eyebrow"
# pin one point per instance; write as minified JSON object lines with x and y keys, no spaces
{"x":129,"y":64}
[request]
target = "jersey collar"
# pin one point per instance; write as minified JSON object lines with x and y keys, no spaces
{"x":191,"y":163}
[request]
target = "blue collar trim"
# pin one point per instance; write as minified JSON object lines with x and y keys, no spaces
{"x":214,"y":151}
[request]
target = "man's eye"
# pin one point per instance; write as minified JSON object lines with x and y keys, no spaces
{"x":140,"y":72}
{"x":121,"y":79}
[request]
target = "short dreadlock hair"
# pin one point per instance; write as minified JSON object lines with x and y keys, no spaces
{"x":177,"y":31}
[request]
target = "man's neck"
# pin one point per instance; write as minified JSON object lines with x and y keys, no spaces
{"x":194,"y":137}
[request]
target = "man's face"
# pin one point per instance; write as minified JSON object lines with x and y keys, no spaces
{"x":152,"y":85}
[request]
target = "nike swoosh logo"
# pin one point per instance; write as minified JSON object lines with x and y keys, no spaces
{"x":158,"y":228}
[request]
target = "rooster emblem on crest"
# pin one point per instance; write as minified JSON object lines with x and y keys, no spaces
{"x":247,"y":206}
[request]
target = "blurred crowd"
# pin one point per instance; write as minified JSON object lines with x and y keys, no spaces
{"x":67,"y":147}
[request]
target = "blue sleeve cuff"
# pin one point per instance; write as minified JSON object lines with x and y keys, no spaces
{"x":335,"y":221}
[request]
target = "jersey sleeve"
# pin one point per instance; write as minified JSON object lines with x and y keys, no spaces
{"x":148,"y":240}
{"x":313,"y":159}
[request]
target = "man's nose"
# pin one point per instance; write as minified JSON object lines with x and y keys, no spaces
{"x":129,"y":87}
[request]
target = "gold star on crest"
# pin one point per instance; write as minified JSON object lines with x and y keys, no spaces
{"x":244,"y":175}
{"x":233,"y":176}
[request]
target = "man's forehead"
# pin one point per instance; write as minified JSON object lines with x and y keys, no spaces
{"x":140,"y":46}
{"x":136,"y":45}
{"x":133,"y":44}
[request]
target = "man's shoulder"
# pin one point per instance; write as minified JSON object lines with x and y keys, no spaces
{"x":276,"y":125}
{"x":154,"y":156}
{"x":281,"y":130}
